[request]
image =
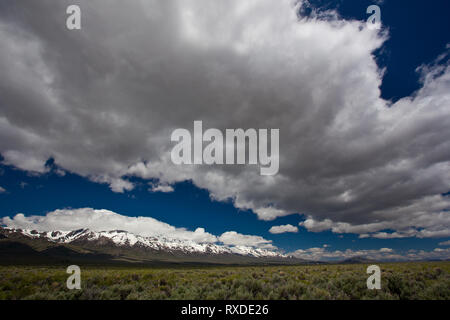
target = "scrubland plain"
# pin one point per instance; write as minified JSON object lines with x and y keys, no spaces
{"x":414,"y":280}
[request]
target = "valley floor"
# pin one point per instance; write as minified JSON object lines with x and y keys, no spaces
{"x":413,"y":280}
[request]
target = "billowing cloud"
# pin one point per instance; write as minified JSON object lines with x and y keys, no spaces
{"x":102,"y":102}
{"x":232,"y":238}
{"x":283,"y":229}
{"x":160,"y":188}
{"x":104,"y":220}
{"x":422,"y":219}
{"x":383,"y":254}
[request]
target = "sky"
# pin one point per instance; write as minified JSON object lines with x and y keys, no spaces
{"x":86,"y":118}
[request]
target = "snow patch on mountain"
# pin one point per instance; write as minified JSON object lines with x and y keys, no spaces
{"x":127,"y":239}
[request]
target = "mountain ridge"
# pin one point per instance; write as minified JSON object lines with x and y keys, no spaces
{"x":120,"y":245}
{"x":125,"y":238}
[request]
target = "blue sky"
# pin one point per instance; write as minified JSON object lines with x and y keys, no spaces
{"x":418,"y":34}
{"x":188,"y":206}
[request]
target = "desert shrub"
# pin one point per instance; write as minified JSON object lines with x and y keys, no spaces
{"x":399,"y":281}
{"x":91,"y":293}
{"x":395,"y":285}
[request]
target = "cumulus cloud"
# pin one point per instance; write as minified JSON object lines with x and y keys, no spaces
{"x":103,"y":101}
{"x":104,"y":220}
{"x":422,"y":219}
{"x":283,"y":229}
{"x":233,"y":238}
{"x":437,"y":253}
{"x":383,"y":254}
{"x":160,"y":188}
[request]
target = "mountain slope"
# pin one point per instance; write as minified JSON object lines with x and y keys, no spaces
{"x":124,"y":247}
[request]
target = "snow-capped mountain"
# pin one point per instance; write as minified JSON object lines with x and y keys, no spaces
{"x":124,"y":239}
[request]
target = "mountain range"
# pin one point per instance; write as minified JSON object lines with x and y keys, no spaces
{"x":21,"y":246}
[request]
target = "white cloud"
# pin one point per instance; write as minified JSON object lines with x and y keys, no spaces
{"x":116,"y":184}
{"x":232,"y":238}
{"x":2,"y":190}
{"x":104,"y":220}
{"x":422,"y":219}
{"x":316,"y":226}
{"x":160,"y":188}
{"x":383,"y":254}
{"x":60,"y":172}
{"x":107,"y":114}
{"x":437,"y":253}
{"x":283,"y":229}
